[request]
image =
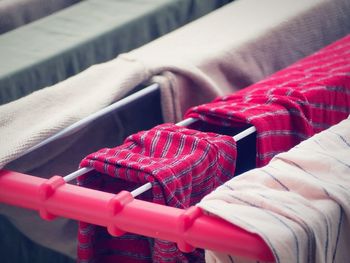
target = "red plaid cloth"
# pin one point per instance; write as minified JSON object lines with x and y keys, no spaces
{"x":291,"y":105}
{"x":183,"y":165}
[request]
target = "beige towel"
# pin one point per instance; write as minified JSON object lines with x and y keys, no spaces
{"x":299,"y":203}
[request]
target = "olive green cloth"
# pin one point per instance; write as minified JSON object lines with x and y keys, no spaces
{"x":15,"y":247}
{"x":56,"y":47}
{"x":15,"y":13}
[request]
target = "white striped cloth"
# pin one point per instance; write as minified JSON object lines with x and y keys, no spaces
{"x":299,"y":203}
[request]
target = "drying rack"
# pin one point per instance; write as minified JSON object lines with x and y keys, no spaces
{"x":190,"y":228}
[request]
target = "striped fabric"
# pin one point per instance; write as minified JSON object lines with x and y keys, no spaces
{"x":183,"y":165}
{"x":291,"y":105}
{"x":299,"y":203}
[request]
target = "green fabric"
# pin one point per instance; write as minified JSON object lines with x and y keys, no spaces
{"x":15,"y":13}
{"x":51,"y":49}
{"x":16,"y":248}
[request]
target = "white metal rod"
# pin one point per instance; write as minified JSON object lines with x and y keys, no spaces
{"x":76,"y":174}
{"x":141,"y":189}
{"x":186,"y":122}
{"x":244,"y":133}
{"x":237,"y":137}
{"x":76,"y":126}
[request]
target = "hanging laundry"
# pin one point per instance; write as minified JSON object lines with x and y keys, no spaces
{"x":301,"y":197}
{"x":253,"y":39}
{"x":183,"y":166}
{"x":291,"y":105}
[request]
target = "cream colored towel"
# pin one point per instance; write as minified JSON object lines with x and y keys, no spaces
{"x":299,"y":203}
{"x":220,"y":53}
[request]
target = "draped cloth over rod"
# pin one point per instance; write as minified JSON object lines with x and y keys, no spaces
{"x":292,"y":104}
{"x":191,"y":70}
{"x":183,"y":165}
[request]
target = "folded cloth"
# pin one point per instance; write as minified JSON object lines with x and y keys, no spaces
{"x":191,"y":70}
{"x":299,"y":203}
{"x":292,"y":104}
{"x":183,"y":166}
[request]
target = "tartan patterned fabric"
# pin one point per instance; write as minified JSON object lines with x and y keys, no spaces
{"x":183,"y":165}
{"x":291,"y":105}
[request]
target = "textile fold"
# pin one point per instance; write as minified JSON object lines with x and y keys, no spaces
{"x":183,"y":166}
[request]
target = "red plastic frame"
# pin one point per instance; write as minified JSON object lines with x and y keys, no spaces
{"x":122,"y":213}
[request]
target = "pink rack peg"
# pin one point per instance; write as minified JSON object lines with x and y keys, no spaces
{"x":46,"y":190}
{"x":121,"y":213}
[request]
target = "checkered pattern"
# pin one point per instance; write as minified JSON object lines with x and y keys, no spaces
{"x":183,"y":165}
{"x":291,"y":105}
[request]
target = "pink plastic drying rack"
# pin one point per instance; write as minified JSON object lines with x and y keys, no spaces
{"x":122,"y":213}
